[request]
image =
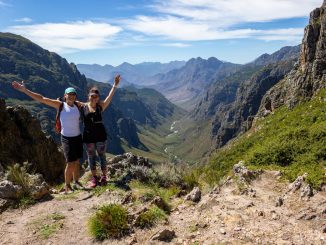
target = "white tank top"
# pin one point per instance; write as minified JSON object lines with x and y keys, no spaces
{"x":69,"y":119}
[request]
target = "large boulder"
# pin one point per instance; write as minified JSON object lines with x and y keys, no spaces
{"x":9,"y":190}
{"x":38,"y":187}
{"x":21,"y":140}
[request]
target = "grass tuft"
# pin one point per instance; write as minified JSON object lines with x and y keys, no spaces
{"x":150,"y":217}
{"x":110,"y":221}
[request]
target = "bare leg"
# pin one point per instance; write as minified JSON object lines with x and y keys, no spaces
{"x":69,"y":173}
{"x":76,"y":173}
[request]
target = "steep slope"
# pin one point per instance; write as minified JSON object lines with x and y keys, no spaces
{"x":183,"y":86}
{"x":49,"y":74}
{"x":289,"y":132}
{"x":232,"y":104}
{"x":308,"y":76}
{"x":136,"y":74}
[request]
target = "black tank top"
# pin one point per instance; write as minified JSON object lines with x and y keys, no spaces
{"x":94,"y":130}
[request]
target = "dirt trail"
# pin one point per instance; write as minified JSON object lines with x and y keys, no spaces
{"x":222,"y":216}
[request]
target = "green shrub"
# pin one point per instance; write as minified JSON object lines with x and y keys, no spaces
{"x":19,"y":176}
{"x":110,"y":221}
{"x":150,"y":217}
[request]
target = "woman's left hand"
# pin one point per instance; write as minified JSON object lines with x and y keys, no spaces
{"x":117,"y":80}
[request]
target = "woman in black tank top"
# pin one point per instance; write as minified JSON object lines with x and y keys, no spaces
{"x":94,"y":136}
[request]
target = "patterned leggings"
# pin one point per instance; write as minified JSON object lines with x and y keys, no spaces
{"x":91,"y":149}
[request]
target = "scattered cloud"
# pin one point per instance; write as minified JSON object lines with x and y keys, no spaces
{"x":231,"y":12}
{"x":198,"y":20}
{"x":178,"y":45}
{"x":25,"y":20}
{"x":68,"y":37}
{"x":185,"y":30}
{"x":4,"y":4}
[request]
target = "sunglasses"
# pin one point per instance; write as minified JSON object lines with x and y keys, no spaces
{"x":94,"y":96}
{"x":72,"y":94}
{"x":95,"y":91}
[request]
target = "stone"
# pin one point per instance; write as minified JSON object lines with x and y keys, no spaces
{"x":279,"y":201}
{"x":237,"y":228}
{"x":222,"y":231}
{"x":306,"y":191}
{"x":296,"y":185}
{"x":159,"y":202}
{"x":128,"y":198}
{"x":165,"y":235}
{"x":132,"y":240}
{"x":194,"y":195}
{"x":4,"y":204}
{"x":8,"y":190}
{"x":38,"y":188}
{"x":244,"y":174}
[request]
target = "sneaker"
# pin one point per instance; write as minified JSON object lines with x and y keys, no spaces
{"x":94,"y":182}
{"x":78,"y":186}
{"x":66,"y":189}
{"x":103,"y":180}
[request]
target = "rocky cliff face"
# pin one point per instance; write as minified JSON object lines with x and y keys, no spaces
{"x":309,"y":74}
{"x":235,"y":118}
{"x":232,"y":103}
{"x":21,"y":140}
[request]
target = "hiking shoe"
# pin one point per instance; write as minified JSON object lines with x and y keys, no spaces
{"x":78,"y":186}
{"x":103,"y":180}
{"x":66,"y":189}
{"x":94,"y":182}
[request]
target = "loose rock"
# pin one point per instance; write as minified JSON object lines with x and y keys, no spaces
{"x":194,"y":195}
{"x":164,"y":235}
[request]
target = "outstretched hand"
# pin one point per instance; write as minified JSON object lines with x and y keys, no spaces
{"x":19,"y":86}
{"x":117,"y":80}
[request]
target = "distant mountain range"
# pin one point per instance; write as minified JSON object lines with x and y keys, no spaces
{"x":135,"y":74}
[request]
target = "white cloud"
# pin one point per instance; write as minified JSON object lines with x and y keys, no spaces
{"x":25,"y":20}
{"x":68,"y":37}
{"x":177,"y":45}
{"x":174,"y":28}
{"x":197,"y":20}
{"x":231,"y":12}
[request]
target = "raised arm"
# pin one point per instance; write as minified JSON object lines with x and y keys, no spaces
{"x":35,"y":96}
{"x":104,"y":104}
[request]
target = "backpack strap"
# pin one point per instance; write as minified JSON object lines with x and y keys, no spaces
{"x":80,"y":109}
{"x":57,"y":119}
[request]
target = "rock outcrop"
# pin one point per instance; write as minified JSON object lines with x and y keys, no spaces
{"x":231,"y":104}
{"x":21,"y":140}
{"x":309,"y":74}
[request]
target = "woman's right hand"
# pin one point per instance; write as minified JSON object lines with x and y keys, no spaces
{"x":19,"y":86}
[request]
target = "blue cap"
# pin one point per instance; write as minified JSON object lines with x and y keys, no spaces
{"x":70,"y":90}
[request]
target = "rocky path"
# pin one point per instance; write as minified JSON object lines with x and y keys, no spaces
{"x":223,"y":216}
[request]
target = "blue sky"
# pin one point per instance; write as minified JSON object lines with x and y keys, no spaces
{"x":112,"y":32}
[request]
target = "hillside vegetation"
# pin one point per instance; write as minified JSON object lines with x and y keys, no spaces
{"x":293,"y":141}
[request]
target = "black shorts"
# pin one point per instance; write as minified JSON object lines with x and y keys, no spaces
{"x":72,"y":147}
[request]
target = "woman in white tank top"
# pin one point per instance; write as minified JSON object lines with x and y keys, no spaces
{"x":71,"y":139}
